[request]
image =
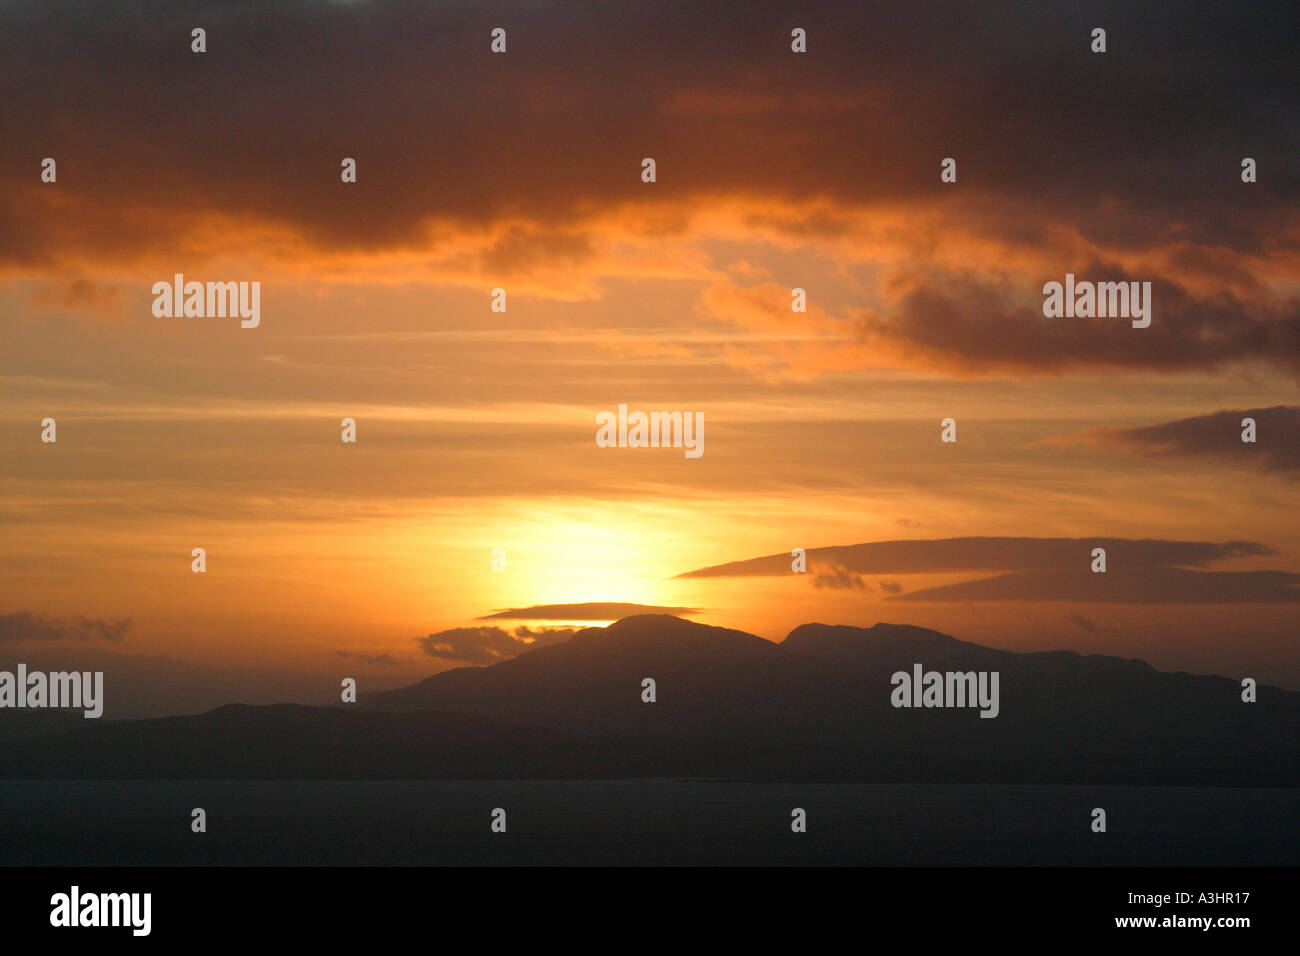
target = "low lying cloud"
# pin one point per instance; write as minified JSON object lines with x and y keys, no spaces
{"x":1143,"y":586}
{"x":941,"y":555}
{"x":1092,"y":627}
{"x":488,"y":645}
{"x":840,"y":579}
{"x":1041,"y":569}
{"x":1213,"y":437}
{"x":386,"y":659}
{"x":593,"y":611}
{"x":29,"y":626}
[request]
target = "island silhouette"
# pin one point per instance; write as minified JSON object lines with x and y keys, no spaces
{"x":728,"y":704}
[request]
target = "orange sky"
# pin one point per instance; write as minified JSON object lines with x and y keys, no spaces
{"x":476,"y":428}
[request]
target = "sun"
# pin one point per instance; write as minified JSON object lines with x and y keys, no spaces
{"x":574,"y":561}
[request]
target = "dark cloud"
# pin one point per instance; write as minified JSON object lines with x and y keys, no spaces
{"x":1092,"y":627}
{"x":1141,"y":142}
{"x":891,"y":587}
{"x":1216,"y":437}
{"x":967,"y":324}
{"x":1142,"y":586}
{"x":594,"y":611}
{"x":521,"y":251}
{"x":29,"y":626}
{"x":387,"y":659}
{"x":839,"y":579}
{"x":991,"y":554}
{"x":487,"y":645}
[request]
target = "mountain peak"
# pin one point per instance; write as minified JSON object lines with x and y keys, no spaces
{"x":846,"y":642}
{"x":662,"y":627}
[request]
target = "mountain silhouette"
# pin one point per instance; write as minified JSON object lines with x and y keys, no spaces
{"x":728,"y":704}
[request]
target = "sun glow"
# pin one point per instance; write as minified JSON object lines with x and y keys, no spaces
{"x":590,"y":555}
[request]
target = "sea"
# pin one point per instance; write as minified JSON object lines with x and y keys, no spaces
{"x":638,"y":823}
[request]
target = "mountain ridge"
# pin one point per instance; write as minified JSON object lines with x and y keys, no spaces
{"x":817,"y":705}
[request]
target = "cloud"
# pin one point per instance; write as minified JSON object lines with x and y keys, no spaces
{"x":102,"y":300}
{"x":505,"y":177}
{"x":521,"y":252}
{"x":1213,"y":437}
{"x":990,"y":554}
{"x":488,"y":645}
{"x":839,"y":579}
{"x":964,"y":324}
{"x":1143,"y":586}
{"x":1042,"y":569}
{"x":29,"y":626}
{"x":1091,"y":626}
{"x":595,"y":611}
{"x":386,"y":659}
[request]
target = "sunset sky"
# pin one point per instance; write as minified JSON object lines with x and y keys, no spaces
{"x":476,"y":428}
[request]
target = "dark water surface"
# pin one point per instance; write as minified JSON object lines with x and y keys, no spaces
{"x":638,"y":822}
